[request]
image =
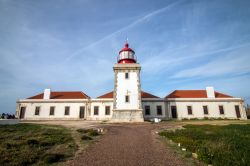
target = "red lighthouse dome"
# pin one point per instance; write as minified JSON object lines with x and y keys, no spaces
{"x":126,"y":55}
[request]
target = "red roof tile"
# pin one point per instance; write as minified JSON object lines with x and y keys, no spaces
{"x":63,"y":95}
{"x":147,"y":95}
{"x":106,"y":95}
{"x":194,"y":94}
{"x":143,"y":95}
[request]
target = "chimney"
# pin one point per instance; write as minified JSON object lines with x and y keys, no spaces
{"x":46,"y":94}
{"x":210,"y":92}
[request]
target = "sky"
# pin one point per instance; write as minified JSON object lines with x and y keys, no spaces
{"x":73,"y":45}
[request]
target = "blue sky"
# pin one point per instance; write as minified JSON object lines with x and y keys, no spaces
{"x":72,"y":45}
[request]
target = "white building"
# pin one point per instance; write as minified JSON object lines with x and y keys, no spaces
{"x":128,"y":103}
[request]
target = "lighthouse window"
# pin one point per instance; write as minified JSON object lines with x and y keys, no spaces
{"x":126,"y":98}
{"x":126,"y":75}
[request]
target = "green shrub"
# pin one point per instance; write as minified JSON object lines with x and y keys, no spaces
{"x":52,"y":158}
{"x":86,"y":138}
{"x":46,"y":143}
{"x":93,"y":133}
{"x":194,"y":119}
{"x":216,"y":145}
{"x":25,"y":144}
{"x":32,"y":142}
{"x":84,"y":130}
{"x":89,"y":132}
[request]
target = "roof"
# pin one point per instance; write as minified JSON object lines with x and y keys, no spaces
{"x":126,"y":48}
{"x":63,"y":95}
{"x":143,"y":95}
{"x":147,"y":95}
{"x":194,"y":94}
{"x":106,"y":95}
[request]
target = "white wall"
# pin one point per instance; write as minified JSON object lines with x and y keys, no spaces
{"x":101,"y":104}
{"x":213,"y":109}
{"x":127,"y":87}
{"x":197,"y":108}
{"x":153,"y":109}
{"x":45,"y":110}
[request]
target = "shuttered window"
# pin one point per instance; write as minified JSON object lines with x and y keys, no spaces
{"x":147,"y":110}
{"x":190,"y":111}
{"x":67,"y":109}
{"x":37,"y":111}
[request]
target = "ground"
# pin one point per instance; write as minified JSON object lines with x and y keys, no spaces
{"x":128,"y":145}
{"x":131,"y":144}
{"x":214,"y":144}
{"x":34,"y":144}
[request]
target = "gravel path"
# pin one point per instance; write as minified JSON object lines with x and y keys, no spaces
{"x":128,"y":145}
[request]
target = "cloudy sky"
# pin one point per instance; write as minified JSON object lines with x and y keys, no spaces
{"x":72,"y":45}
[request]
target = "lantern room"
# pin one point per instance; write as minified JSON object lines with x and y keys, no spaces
{"x":126,"y":55}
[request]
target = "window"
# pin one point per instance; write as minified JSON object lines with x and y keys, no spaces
{"x":159,"y":110}
{"x":66,"y":112}
{"x":52,"y":111}
{"x":221,"y":109}
{"x":190,"y":111}
{"x":22,"y":112}
{"x":205,"y":109}
{"x":126,"y":75}
{"x":174,"y":111}
{"x":147,"y":110}
{"x":126,"y":98}
{"x":107,"y":110}
{"x":96,"y":110}
{"x":81,"y":112}
{"x":37,"y":111}
{"x":237,"y":111}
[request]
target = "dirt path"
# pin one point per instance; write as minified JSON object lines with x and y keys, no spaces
{"x":128,"y":145}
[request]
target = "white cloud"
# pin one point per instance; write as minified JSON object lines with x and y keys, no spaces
{"x":236,"y":62}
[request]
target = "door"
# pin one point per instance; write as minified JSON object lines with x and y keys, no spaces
{"x":22,"y":112}
{"x":82,"y":111}
{"x":174,"y":111}
{"x":237,"y":110}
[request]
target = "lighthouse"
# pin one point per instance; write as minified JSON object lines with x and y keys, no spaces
{"x":127,"y":104}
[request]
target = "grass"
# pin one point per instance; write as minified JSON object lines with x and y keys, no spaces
{"x":88,"y":134}
{"x":217,"y":145}
{"x":32,"y":144}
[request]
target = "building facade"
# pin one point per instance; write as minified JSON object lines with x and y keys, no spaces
{"x":128,"y":102}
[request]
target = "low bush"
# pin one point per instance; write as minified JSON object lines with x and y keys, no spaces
{"x":26,"y":144}
{"x":216,"y":145}
{"x":93,"y":133}
{"x":52,"y":158}
{"x":83,"y":130}
{"x":86,"y":138}
{"x":89,"y":132}
{"x":32,"y":142}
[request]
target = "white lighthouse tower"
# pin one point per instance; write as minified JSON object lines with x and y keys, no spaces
{"x":127,"y":88}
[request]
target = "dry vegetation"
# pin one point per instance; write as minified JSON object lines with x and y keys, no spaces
{"x":31,"y":144}
{"x":216,"y":145}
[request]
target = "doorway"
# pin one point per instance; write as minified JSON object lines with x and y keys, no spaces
{"x":237,"y":110}
{"x":22,"y":112}
{"x":174,"y":111}
{"x":82,"y":111}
